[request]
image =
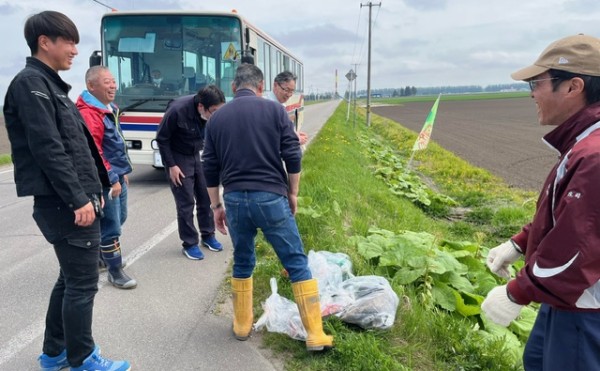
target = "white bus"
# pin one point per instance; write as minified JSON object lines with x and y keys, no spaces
{"x":189,"y":50}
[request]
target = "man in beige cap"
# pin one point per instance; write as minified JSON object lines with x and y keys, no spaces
{"x":562,"y":244}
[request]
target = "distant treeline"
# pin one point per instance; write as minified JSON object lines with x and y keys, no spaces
{"x":434,"y":90}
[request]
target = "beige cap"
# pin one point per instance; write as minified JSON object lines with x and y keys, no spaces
{"x":577,"y":54}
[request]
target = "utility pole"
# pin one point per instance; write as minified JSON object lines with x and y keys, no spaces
{"x":354,"y":120}
{"x":370,"y":5}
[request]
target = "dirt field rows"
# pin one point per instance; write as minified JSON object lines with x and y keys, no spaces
{"x":500,"y":135}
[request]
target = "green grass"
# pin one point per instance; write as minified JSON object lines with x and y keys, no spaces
{"x":345,"y":199}
{"x":5,"y":159}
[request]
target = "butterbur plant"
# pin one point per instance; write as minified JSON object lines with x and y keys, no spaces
{"x":450,"y":275}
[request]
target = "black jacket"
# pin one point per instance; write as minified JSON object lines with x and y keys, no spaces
{"x":52,"y":151}
{"x":181,"y":130}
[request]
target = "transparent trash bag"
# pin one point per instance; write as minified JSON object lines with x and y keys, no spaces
{"x":330,"y":270}
{"x":281,"y":315}
{"x":372,"y":303}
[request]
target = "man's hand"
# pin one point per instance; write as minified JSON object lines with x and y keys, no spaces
{"x":500,"y":257}
{"x":176,"y":175}
{"x":293,"y":202}
{"x":220,"y":220}
{"x":499,"y":308}
{"x":302,"y":137}
{"x":115,"y":190}
{"x":85,"y":215}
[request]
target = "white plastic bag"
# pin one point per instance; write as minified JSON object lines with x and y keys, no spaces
{"x":330,"y":270}
{"x":372,"y":302}
{"x":281,"y":315}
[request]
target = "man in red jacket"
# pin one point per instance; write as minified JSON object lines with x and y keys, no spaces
{"x":102,"y":118}
{"x":562,"y":243}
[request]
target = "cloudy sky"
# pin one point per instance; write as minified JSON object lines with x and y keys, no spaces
{"x":415,"y":42}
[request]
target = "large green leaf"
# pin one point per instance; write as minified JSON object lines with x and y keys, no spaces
{"x":443,"y":295}
{"x":468,"y":304}
{"x":450,"y":262}
{"x":460,"y":245}
{"x":524,"y":323}
{"x":404,"y":276}
{"x":459,"y":282}
{"x":369,"y":250}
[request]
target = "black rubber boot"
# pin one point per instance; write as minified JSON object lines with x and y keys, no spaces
{"x":111,"y":254}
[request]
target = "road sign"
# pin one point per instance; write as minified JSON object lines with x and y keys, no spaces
{"x":351,"y":75}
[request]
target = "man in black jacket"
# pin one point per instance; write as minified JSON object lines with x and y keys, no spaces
{"x":56,"y":161}
{"x":180,"y":139}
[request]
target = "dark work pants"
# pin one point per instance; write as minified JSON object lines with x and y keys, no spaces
{"x":563,"y":340}
{"x":192,"y":194}
{"x":69,"y":316}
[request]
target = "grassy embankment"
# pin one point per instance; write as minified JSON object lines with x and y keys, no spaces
{"x":343,"y":200}
{"x":4,"y":157}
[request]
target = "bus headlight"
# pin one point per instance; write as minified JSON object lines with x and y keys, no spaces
{"x":133,"y":144}
{"x":154,"y":144}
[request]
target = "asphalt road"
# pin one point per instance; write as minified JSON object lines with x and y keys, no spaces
{"x":176,"y":319}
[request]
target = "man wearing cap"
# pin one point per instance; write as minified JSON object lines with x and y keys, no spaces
{"x":561,"y":245}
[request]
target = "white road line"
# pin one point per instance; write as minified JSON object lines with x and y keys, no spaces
{"x":7,"y":171}
{"x":36,"y":329}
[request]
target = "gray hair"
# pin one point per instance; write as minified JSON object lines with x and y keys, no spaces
{"x":248,"y":76}
{"x":92,"y":73}
{"x":285,"y":76}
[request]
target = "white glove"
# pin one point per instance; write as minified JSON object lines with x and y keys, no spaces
{"x":499,"y":308}
{"x":500,"y":257}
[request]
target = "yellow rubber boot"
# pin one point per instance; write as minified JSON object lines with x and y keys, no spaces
{"x":307,"y":299}
{"x":242,"y":307}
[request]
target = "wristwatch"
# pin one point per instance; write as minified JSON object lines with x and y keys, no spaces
{"x":217,"y":206}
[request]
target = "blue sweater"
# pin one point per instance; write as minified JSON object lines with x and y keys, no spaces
{"x":245,"y":143}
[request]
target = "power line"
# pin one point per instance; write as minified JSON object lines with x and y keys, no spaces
{"x":106,"y":6}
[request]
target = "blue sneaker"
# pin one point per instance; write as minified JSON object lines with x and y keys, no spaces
{"x":193,"y":252}
{"x":95,"y":362}
{"x":48,"y":363}
{"x":212,"y":244}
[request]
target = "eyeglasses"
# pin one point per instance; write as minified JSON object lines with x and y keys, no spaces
{"x":533,"y":83}
{"x":287,"y":90}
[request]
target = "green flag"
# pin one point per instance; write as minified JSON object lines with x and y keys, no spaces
{"x":425,"y":134}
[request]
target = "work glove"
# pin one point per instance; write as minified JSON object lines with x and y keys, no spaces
{"x":500,"y":257}
{"x":498,"y":307}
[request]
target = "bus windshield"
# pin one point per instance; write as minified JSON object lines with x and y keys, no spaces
{"x":156,"y":58}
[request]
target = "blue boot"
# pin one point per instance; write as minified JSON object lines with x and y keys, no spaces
{"x":95,"y":362}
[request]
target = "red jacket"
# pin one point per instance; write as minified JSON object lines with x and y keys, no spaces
{"x":562,"y":243}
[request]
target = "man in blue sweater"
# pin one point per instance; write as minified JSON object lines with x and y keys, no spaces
{"x":246,"y":144}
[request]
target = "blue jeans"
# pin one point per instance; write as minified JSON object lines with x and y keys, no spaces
{"x":563,"y":340}
{"x":249,"y":210}
{"x":115,"y":214}
{"x":69,"y":315}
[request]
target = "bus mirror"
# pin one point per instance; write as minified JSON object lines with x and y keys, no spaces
{"x":96,"y":58}
{"x":247,"y":57}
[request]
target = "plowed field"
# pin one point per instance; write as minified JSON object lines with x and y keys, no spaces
{"x":500,"y":135}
